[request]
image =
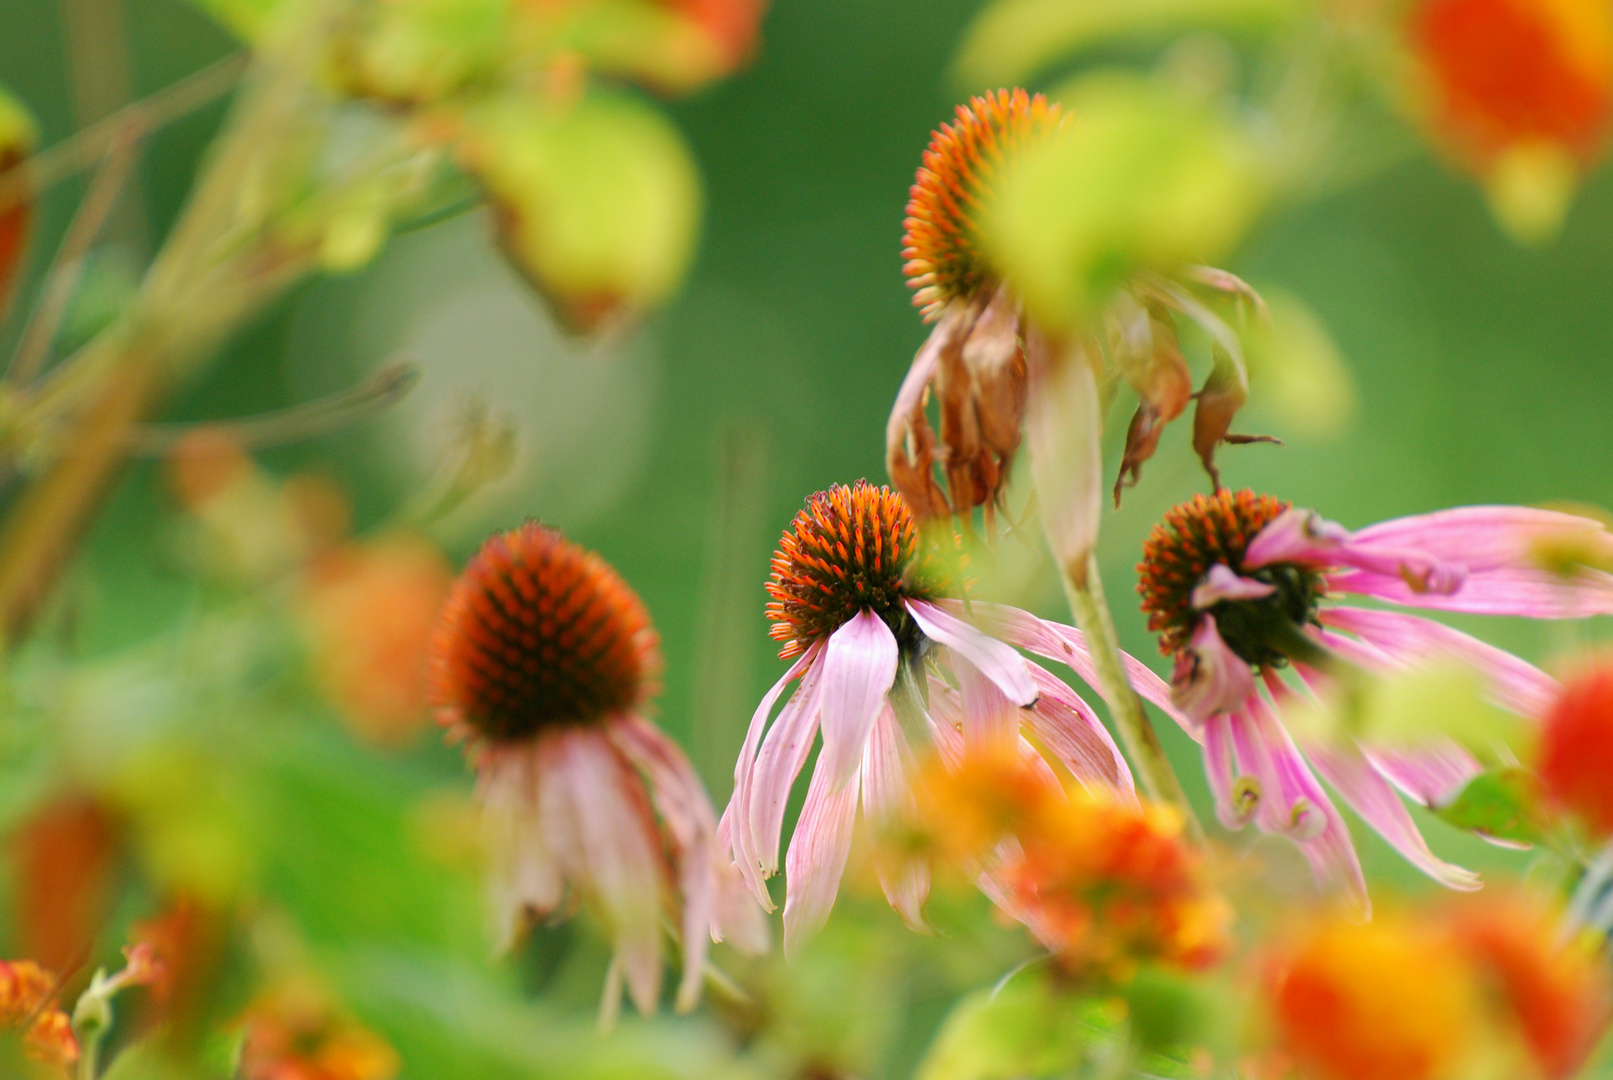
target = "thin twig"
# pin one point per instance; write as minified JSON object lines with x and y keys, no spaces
{"x":82,"y":149}
{"x":388,"y":385}
{"x":65,"y":269}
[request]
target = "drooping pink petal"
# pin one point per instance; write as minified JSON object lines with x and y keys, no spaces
{"x":988,"y":716}
{"x":817,"y":856}
{"x":1502,"y":549}
{"x":1304,"y":537}
{"x":996,"y":660}
{"x":523,"y":873}
{"x":887,"y":803}
{"x":1364,"y":789}
{"x":1210,"y":678}
{"x":1430,"y":773}
{"x":1220,"y":767}
{"x":1310,"y":815}
{"x":611,"y":818}
{"x":859,"y":667}
{"x":734,"y":827}
{"x":1222,"y":584}
{"x":1514,"y":683}
{"x":1068,"y":646}
{"x":1486,"y":538}
{"x":946,"y":722}
{"x":1068,"y":727}
{"x":783,"y":756}
{"x":680,"y":799}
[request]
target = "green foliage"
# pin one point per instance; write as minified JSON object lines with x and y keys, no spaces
{"x":596,"y":203}
{"x":1499,"y":803}
{"x":1025,"y":1028}
{"x":1011,"y":41}
{"x":1145,"y":177}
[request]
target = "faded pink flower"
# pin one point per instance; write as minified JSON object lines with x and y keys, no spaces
{"x":1240,"y":585}
{"x":881,"y":659}
{"x":545,"y":661}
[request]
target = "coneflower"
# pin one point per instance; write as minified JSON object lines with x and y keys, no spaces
{"x":545,"y":662}
{"x":885,"y":654}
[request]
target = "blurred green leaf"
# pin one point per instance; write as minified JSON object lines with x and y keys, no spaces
{"x":421,"y":51}
{"x":1440,"y":698}
{"x":1027,"y":1028}
{"x":1296,"y":369}
{"x":1499,"y":803}
{"x":597,"y":203}
{"x":658,"y":44}
{"x":246,"y":19}
{"x":1011,"y":40}
{"x":1144,"y":177}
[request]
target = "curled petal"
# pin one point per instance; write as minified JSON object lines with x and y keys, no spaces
{"x":734,"y":828}
{"x":784,"y":754}
{"x":859,"y":667}
{"x":1210,"y":678}
{"x":995,"y":659}
{"x":1222,"y":584}
{"x":1364,"y":789}
{"x":1296,"y":536}
{"x":910,"y":450}
{"x":1235,"y":802}
{"x":817,"y":856}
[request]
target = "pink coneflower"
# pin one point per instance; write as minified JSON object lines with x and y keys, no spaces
{"x":1240,"y":585}
{"x":882,"y":659}
{"x":545,"y":662}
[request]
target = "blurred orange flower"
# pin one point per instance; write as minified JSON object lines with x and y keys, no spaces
{"x":371,"y":608}
{"x":1103,"y":881}
{"x":1576,"y":746}
{"x":294,"y":1032}
{"x":1426,"y":994}
{"x":27,"y":1001}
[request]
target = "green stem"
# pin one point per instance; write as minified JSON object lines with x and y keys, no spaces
{"x":1159,"y":782}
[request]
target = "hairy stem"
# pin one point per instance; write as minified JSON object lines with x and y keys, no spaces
{"x":1085,"y":591}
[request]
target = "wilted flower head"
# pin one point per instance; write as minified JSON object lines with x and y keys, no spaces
{"x":1435,"y":992}
{"x":884,"y":658}
{"x":1576,"y":746}
{"x":1103,"y":881}
{"x":992,"y":369}
{"x":28,"y":1005}
{"x":545,"y":662}
{"x":1522,"y":92}
{"x":294,"y":1032}
{"x":1239,"y":586}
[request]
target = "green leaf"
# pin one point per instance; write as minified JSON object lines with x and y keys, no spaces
{"x":1011,"y":40}
{"x":1025,"y":1029}
{"x":1143,"y":177}
{"x":597,"y":203}
{"x":1498,"y":803}
{"x":1296,"y":370}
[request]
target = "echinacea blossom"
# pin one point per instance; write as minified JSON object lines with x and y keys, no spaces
{"x":544,"y":663}
{"x":28,"y":1003}
{"x":1484,"y":983}
{"x":995,"y":373}
{"x":1103,"y":881}
{"x":1240,"y":585}
{"x":1576,"y":747}
{"x":884,"y":657}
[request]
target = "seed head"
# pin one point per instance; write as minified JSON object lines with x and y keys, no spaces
{"x":963,"y":161}
{"x":1197,"y":535}
{"x":850,"y":548}
{"x":537,"y":633}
